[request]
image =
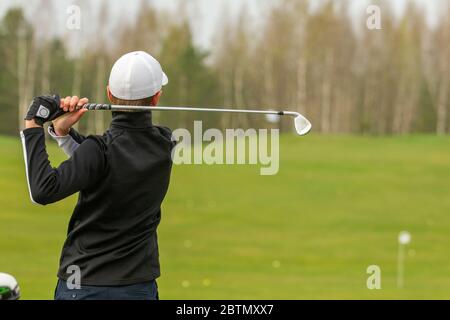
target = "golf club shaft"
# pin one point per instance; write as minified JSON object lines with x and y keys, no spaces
{"x":94,"y":106}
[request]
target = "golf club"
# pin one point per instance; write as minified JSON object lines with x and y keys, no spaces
{"x":302,"y":125}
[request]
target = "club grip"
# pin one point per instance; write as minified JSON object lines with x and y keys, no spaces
{"x":97,"y":106}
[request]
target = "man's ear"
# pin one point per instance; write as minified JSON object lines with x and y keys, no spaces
{"x":156,"y":97}
{"x":108,"y":92}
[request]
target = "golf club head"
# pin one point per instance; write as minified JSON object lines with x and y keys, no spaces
{"x":302,"y":125}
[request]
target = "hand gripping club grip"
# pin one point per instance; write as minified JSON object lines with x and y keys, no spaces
{"x":97,"y":106}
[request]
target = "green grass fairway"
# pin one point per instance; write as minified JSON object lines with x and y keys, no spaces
{"x":310,"y":232}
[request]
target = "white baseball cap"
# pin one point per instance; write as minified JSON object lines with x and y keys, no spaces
{"x":136,"y":75}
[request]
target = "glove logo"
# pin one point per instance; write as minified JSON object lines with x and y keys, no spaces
{"x":43,"y":112}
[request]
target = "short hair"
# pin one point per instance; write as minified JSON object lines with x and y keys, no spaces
{"x":139,"y":102}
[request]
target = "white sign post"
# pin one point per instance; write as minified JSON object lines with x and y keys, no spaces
{"x":404,"y":238}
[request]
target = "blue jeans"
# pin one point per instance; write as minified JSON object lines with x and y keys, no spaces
{"x":141,"y":291}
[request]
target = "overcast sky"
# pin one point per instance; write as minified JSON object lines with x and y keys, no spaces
{"x":204,"y":14}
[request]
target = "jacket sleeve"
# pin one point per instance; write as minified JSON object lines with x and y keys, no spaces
{"x":46,"y":184}
{"x":68,"y":143}
{"x":167,"y":133}
{"x":79,"y":138}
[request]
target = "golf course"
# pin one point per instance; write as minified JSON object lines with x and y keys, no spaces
{"x":335,"y":208}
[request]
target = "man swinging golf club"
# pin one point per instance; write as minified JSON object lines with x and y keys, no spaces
{"x":122,"y":178}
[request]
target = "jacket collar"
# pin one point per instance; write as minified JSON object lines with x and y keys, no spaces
{"x":132,"y":120}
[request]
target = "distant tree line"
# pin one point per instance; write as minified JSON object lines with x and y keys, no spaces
{"x":343,"y":76}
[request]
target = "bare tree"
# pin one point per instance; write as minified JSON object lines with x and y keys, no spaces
{"x":223,"y":64}
{"x":326,"y":92}
{"x":443,"y":36}
{"x":45,"y":11}
{"x":26,"y":69}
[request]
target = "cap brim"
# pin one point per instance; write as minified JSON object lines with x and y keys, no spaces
{"x":165,"y":79}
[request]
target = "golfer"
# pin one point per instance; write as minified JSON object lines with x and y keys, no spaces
{"x":111,"y":250}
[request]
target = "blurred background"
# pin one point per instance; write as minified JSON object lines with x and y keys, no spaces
{"x":316,"y":57}
{"x":377,"y":164}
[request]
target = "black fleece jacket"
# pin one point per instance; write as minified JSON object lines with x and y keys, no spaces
{"x":122,"y":178}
